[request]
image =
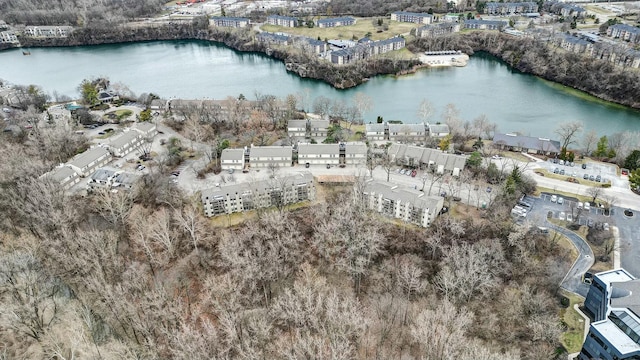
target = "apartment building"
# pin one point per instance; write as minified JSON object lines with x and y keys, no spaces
{"x":232,"y":159}
{"x":125,"y":143}
{"x":270,"y":156}
{"x":409,"y":205}
{"x":355,"y":153}
{"x":418,"y":18}
{"x":286,"y":21}
{"x":224,"y":21}
{"x":87,"y":162}
{"x":510,"y":8}
{"x":47,"y":31}
{"x":63,"y":175}
{"x":530,"y":144}
{"x":8,"y":37}
{"x":319,"y":154}
{"x":485,"y":24}
{"x":334,"y":22}
{"x":624,"y":32}
{"x":438,"y":130}
{"x":439,"y":29}
{"x":407,"y":132}
{"x":419,"y":157}
{"x":266,"y":193}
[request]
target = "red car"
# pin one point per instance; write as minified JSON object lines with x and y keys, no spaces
{"x":413,"y":173}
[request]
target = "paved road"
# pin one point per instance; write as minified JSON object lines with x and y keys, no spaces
{"x":573,"y":280}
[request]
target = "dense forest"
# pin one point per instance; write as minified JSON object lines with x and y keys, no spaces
{"x":76,"y":12}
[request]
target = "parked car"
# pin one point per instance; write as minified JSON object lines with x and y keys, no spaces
{"x":414,"y":173}
{"x":598,"y":178}
{"x":561,"y":162}
{"x":580,"y":205}
{"x":584,"y":166}
{"x":586,"y":176}
{"x":489,"y":189}
{"x":496,"y":157}
{"x":592,"y":178}
{"x":605,"y":226}
{"x":562,"y":172}
{"x":560,"y":200}
{"x":402,"y":171}
{"x":562,"y":215}
{"x":307,"y":165}
{"x":590,"y":223}
{"x":556,"y":171}
{"x":554,"y":198}
{"x":587,"y":206}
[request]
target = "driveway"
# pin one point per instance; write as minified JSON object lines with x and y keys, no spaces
{"x":573,"y":280}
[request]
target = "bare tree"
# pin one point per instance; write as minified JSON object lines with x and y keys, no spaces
{"x":440,"y":332}
{"x":589,"y":140}
{"x":594,"y":192}
{"x":425,"y":110}
{"x":568,"y":131}
{"x":362,"y":103}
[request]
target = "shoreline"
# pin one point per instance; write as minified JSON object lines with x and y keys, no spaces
{"x":338,"y":76}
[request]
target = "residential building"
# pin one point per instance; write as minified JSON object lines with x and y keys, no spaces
{"x":158,"y":104}
{"x":87,"y":162}
{"x":334,"y":22}
{"x":314,"y":45}
{"x":613,"y":305}
{"x":438,"y":130}
{"x":126,"y":143}
{"x":419,"y":157}
{"x":387,"y":45}
{"x":63,"y":175}
{"x":510,"y":8}
{"x":124,"y":180}
{"x":146,"y":128}
{"x":8,"y":37}
{"x":318,"y":129}
{"x":350,"y":55}
{"x":297,"y":129}
{"x":271,"y":38}
{"x":101,"y":178}
{"x":286,"y":21}
{"x":438,"y":29}
{"x":47,"y":31}
{"x":407,"y":132}
{"x":624,"y":32}
{"x":574,"y":44}
{"x":375,"y":132}
{"x":319,"y":154}
{"x":533,"y":145}
{"x":484,"y":24}
{"x":107,"y":96}
{"x":232,"y":159}
{"x":270,"y":156}
{"x":409,"y":205}
{"x":273,"y":192}
{"x":355,"y":153}
{"x":418,"y":18}
{"x":449,"y":18}
{"x":224,"y":21}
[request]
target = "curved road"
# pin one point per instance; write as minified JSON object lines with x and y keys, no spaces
{"x":573,"y":280}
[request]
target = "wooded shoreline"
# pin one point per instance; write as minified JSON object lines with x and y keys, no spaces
{"x":595,"y":77}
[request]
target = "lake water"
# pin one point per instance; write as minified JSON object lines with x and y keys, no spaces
{"x":198,"y":69}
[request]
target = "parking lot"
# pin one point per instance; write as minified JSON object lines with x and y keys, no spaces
{"x":571,"y":209}
{"x":593,"y":170}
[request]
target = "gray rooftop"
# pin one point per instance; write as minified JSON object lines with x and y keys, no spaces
{"x":355,"y":148}
{"x":438,"y":128}
{"x":260,"y":185}
{"x":322,"y":124}
{"x":125,"y":178}
{"x":407,"y":128}
{"x":270,"y":151}
{"x":297,"y":124}
{"x":375,"y":127}
{"x":102,"y":175}
{"x":307,"y":149}
{"x":528,"y":142}
{"x":125,"y":139}
{"x":87,"y":157}
{"x":232,"y":154}
{"x":61,"y":173}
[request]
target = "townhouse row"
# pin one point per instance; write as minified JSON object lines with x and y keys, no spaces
{"x":510,"y":8}
{"x":260,"y":157}
{"x":419,"y":157}
{"x":274,"y":192}
{"x":407,"y":133}
{"x":303,"y":42}
{"x":86,"y":163}
{"x":617,"y":54}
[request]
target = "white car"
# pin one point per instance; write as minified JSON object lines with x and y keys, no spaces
{"x":580,"y":205}
{"x":496,"y":157}
{"x":605,"y":226}
{"x":554,"y":198}
{"x":569,"y":217}
{"x":560,"y":200}
{"x":562,"y":215}
{"x":587,"y":206}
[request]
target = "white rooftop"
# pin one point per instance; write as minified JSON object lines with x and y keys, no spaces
{"x":615,"y":275}
{"x":616,"y":337}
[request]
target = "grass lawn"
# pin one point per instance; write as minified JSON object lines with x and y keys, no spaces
{"x":573,"y":337}
{"x":357,"y":31}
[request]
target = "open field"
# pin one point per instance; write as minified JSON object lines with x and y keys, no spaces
{"x":362,"y":27}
